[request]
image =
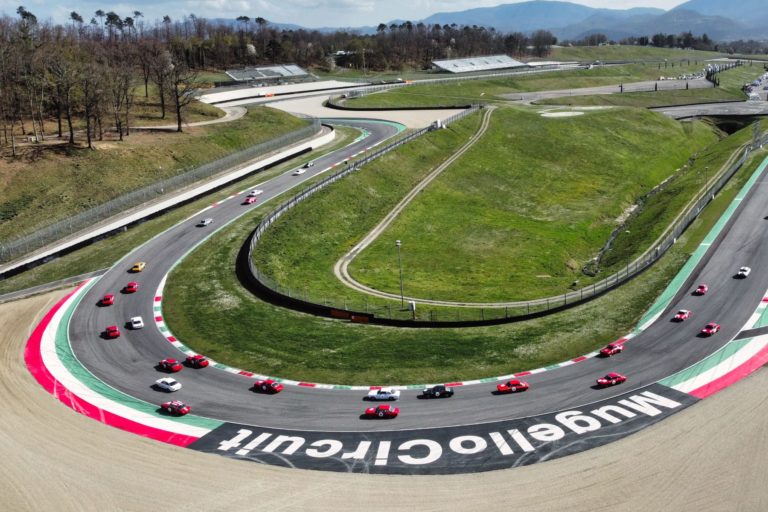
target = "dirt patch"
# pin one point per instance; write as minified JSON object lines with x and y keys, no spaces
{"x":55,"y":459}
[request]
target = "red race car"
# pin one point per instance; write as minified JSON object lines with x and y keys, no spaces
{"x":131,"y":287}
{"x":382,"y":411}
{"x":113,"y":331}
{"x":176,"y":407}
{"x":267,"y":386}
{"x":512,"y":386}
{"x":107,"y":300}
{"x":682,"y":315}
{"x":710,"y":329}
{"x":611,"y":349}
{"x":611,"y":379}
{"x":702,"y":289}
{"x":197,"y":361}
{"x":249,"y":200}
{"x":169,"y":365}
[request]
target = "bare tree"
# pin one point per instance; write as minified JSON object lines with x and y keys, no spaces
{"x":182,"y":82}
{"x":161,"y":65}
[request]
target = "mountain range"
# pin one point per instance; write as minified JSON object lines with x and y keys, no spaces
{"x":720,"y":19}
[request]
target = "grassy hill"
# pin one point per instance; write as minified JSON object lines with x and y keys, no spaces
{"x":473,"y":91}
{"x":50,"y":183}
{"x":515,"y":218}
{"x":520,"y":214}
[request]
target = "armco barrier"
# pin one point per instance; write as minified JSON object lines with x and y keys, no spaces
{"x":264,"y":286}
{"x":47,"y":287}
{"x":151,"y":210}
{"x":59,"y":230}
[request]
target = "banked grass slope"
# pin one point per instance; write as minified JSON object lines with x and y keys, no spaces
{"x":272,"y":340}
{"x":520,"y":214}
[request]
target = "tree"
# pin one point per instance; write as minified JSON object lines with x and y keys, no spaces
{"x":113,"y":23}
{"x":76,"y":18}
{"x":182,"y":83}
{"x":100,"y":14}
{"x":160,"y":65}
{"x":542,"y":41}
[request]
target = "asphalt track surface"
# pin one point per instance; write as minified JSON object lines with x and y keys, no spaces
{"x":664,"y":348}
{"x":708,"y":458}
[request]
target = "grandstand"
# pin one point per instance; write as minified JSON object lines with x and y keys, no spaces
{"x":474,"y":64}
{"x":269,"y":74}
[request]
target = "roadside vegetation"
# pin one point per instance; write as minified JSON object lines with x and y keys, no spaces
{"x":106,"y":252}
{"x":218,"y":317}
{"x":49,"y":184}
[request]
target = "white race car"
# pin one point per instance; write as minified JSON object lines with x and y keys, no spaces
{"x":743,"y":272}
{"x":255,"y":192}
{"x":168,"y":384}
{"x":137,"y":322}
{"x":299,"y":172}
{"x":383,"y":394}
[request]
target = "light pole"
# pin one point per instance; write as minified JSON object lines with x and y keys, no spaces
{"x":400,"y":264}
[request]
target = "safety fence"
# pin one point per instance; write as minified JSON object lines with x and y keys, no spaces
{"x":426,"y":313}
{"x":59,"y":230}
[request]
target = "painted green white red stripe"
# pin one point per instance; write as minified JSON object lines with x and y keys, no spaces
{"x":661,"y":304}
{"x":734,"y":361}
{"x":653,"y":313}
{"x":50,"y":360}
{"x":173,"y":340}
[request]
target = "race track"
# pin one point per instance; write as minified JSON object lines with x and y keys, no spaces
{"x":710,"y":457}
{"x":414,"y":442}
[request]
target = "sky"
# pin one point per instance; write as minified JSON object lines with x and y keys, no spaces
{"x":308,"y":13}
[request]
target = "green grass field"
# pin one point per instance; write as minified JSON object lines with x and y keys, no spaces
{"x":731,"y":82}
{"x":628,"y":52}
{"x":105,"y":253}
{"x":219,"y":318}
{"x":56,"y":182}
{"x":520,"y":213}
{"x":487,"y":90}
{"x":337,"y":217}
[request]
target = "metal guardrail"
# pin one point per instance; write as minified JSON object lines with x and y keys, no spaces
{"x":10,"y":250}
{"x":47,"y":287}
{"x":392,"y":314}
{"x":278,"y":212}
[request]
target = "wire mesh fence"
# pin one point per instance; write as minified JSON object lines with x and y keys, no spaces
{"x":58,"y":230}
{"x":427,"y":312}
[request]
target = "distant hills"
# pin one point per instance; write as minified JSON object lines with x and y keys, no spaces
{"x":719,"y":19}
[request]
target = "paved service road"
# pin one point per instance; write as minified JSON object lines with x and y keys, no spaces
{"x":736,"y":108}
{"x":664,"y":348}
{"x":648,"y":86}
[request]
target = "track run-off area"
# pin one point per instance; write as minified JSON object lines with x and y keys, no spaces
{"x":316,"y":426}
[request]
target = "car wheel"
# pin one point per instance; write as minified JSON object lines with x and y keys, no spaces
{"x":380,"y":414}
{"x":437,"y":395}
{"x":263,"y":388}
